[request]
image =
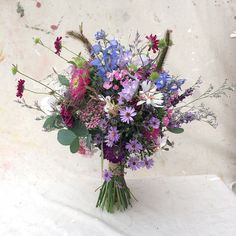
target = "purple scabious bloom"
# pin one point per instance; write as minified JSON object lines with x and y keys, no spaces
{"x":154,"y":123}
{"x":100,"y":35}
{"x":107,"y":175}
{"x":112,"y":136}
{"x":127,"y":114}
{"x":134,"y":163}
{"x":57,"y":45}
{"x":113,"y":154}
{"x":134,"y":146}
{"x":148,"y":163}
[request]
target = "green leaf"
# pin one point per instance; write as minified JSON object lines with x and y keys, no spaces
{"x":79,"y":129}
{"x":74,"y":147}
{"x":154,"y":76}
{"x":49,"y":122}
{"x":63,"y":80}
{"x":66,"y":137}
{"x":176,"y":130}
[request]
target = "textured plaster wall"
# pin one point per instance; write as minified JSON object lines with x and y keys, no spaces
{"x":202,"y":47}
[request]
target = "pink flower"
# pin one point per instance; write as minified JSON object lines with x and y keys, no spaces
{"x":80,"y":79}
{"x":165,"y":121}
{"x":107,"y":85}
{"x":83,"y":149}
{"x":169,"y":112}
{"x":116,"y":87}
{"x":152,"y":135}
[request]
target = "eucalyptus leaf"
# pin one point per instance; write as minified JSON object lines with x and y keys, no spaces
{"x":74,"y":147}
{"x":63,"y":80}
{"x":79,"y":129}
{"x":176,"y":130}
{"x":49,"y":122}
{"x":66,"y":137}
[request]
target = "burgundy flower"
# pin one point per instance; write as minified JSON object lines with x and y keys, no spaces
{"x":66,"y":116}
{"x":20,"y":88}
{"x":57,"y":45}
{"x":153,"y":43}
{"x":113,"y":154}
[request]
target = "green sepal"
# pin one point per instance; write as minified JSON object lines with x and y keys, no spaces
{"x":154,"y":76}
{"x":14,"y":69}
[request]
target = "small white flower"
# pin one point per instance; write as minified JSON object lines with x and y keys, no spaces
{"x":150,"y":95}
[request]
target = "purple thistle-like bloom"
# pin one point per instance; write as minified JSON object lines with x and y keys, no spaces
{"x":57,"y":45}
{"x":134,"y":146}
{"x":134,"y":163}
{"x":148,"y":163}
{"x":66,"y":116}
{"x":127,"y":114}
{"x":154,"y":123}
{"x":107,"y":175}
{"x":112,"y":137}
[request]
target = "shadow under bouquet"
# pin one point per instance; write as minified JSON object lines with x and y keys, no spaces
{"x":121,"y":101}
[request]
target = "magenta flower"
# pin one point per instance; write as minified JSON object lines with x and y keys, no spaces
{"x":134,"y":146}
{"x":153,"y":43}
{"x":127,"y":114}
{"x":107,"y":175}
{"x":57,"y":45}
{"x":20,"y":88}
{"x":66,"y":116}
{"x":148,"y":163}
{"x":154,"y":123}
{"x":134,"y":163}
{"x":112,"y":137}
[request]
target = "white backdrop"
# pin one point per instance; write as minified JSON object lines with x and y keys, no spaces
{"x":202,"y":47}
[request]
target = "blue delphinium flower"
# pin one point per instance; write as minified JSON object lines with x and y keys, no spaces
{"x":100,"y":35}
{"x":96,"y":49}
{"x":163,"y":80}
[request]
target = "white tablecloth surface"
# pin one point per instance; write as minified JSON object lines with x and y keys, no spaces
{"x":187,"y":205}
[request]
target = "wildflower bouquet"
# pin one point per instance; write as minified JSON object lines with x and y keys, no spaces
{"x":121,"y":101}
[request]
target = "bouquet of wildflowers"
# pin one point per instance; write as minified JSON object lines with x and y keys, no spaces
{"x":121,"y":101}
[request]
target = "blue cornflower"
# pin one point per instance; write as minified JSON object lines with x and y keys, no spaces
{"x":100,"y":35}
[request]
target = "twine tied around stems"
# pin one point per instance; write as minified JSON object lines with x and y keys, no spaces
{"x":116,"y":168}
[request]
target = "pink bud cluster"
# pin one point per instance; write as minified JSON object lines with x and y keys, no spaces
{"x":92,"y":114}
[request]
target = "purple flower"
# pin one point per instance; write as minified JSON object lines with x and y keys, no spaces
{"x":57,"y":45}
{"x":134,"y":146}
{"x":100,"y":35}
{"x":134,"y":163}
{"x":112,"y":137}
{"x":20,"y":88}
{"x":98,"y":139}
{"x":127,"y":114}
{"x":113,"y":154}
{"x":128,"y":91}
{"x":107,"y":175}
{"x":147,"y":162}
{"x":66,"y":116}
{"x":154,"y":123}
{"x":103,"y":124}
